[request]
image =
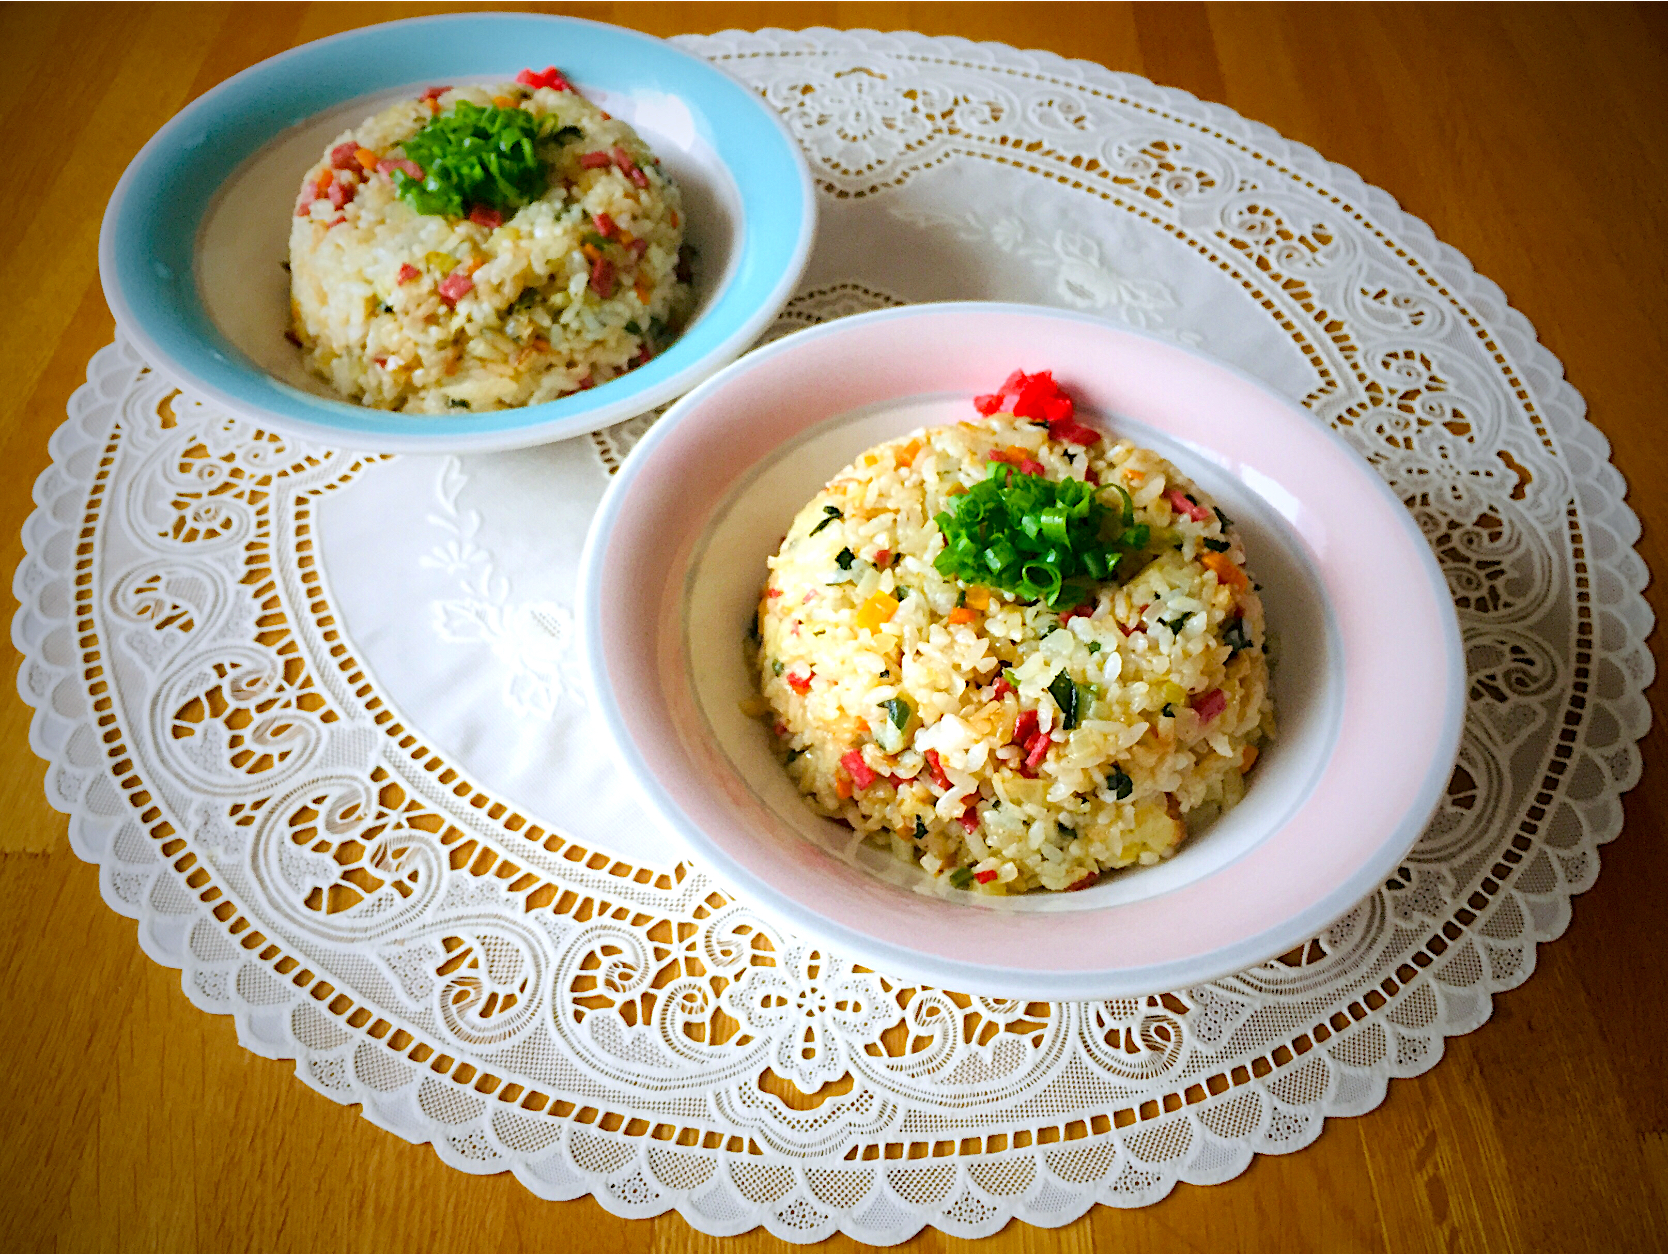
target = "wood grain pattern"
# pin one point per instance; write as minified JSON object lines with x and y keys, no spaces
{"x":1529,"y":138}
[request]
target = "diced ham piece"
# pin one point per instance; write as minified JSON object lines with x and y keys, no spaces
{"x":345,"y":156}
{"x":487,"y":216}
{"x":1182,"y":505}
{"x":858,"y":769}
{"x":637,"y":248}
{"x":799,"y":683}
{"x":341,"y":194}
{"x":455,"y":286}
{"x":595,"y":161}
{"x":1078,"y":611}
{"x":628,"y":167}
{"x":1001,"y":688}
{"x":604,"y":224}
{"x":389,"y":164}
{"x":969,"y":820}
{"x":409,"y":272}
{"x":936,"y":769}
{"x":985,"y":877}
{"x":1036,"y":749}
{"x":1210,"y":705}
{"x":602,"y":277}
{"x":434,"y":93}
{"x":1025,"y":726}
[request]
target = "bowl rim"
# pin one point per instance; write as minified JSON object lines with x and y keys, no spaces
{"x":892,"y":959}
{"x":201,"y":366}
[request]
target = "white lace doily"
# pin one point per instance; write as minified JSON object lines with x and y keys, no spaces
{"x":313,"y":714}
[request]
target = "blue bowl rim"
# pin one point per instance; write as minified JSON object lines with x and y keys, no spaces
{"x":192,"y":361}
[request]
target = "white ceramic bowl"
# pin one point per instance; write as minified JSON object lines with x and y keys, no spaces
{"x":1368,"y":690}
{"x":196,"y":229}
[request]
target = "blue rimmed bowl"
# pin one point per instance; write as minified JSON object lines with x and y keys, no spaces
{"x":192,"y":243}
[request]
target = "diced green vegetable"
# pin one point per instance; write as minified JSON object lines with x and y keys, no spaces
{"x":898,"y":712}
{"x":1094,"y":646}
{"x":1120,"y":784}
{"x":961,"y":877}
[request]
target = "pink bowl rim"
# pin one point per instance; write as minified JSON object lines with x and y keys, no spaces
{"x":891,"y":954}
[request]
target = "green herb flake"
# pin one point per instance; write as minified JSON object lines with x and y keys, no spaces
{"x":1094,"y":646}
{"x":1216,"y":546}
{"x":833,"y":515}
{"x":776,"y":667}
{"x":1175,"y":624}
{"x":1120,"y":784}
{"x":457,"y":402}
{"x":897,"y":712}
{"x":1169,"y":711}
{"x":1222,"y":518}
{"x":1064,"y":692}
{"x":920,"y":828}
{"x":1235,"y":636}
{"x":633,"y":328}
{"x":844,"y":558}
{"x":473,"y":156}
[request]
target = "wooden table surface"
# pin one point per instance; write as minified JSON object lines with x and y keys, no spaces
{"x":1528,"y":138}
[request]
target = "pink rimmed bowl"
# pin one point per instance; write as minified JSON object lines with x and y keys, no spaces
{"x":1368,"y":685}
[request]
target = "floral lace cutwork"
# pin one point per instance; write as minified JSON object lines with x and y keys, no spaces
{"x":472,"y":978}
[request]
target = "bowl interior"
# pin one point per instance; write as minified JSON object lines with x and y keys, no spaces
{"x":245,"y":235}
{"x":727,"y":568}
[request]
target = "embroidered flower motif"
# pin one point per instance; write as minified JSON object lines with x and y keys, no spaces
{"x":813,"y":1009}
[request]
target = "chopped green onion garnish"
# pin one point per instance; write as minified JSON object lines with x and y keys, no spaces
{"x":961,"y":877}
{"x":1094,"y":646}
{"x":473,"y":156}
{"x":1035,"y":538}
{"x":832,"y":515}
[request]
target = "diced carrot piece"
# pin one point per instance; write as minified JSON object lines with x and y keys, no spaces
{"x":908,"y":453}
{"x":366,"y":158}
{"x":961,"y":614}
{"x":842,"y":785}
{"x":1248,"y":759}
{"x":1227,"y":571}
{"x":978,"y":598}
{"x":643,"y":288}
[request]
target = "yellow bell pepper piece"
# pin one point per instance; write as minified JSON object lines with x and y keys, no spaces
{"x":876,"y":610}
